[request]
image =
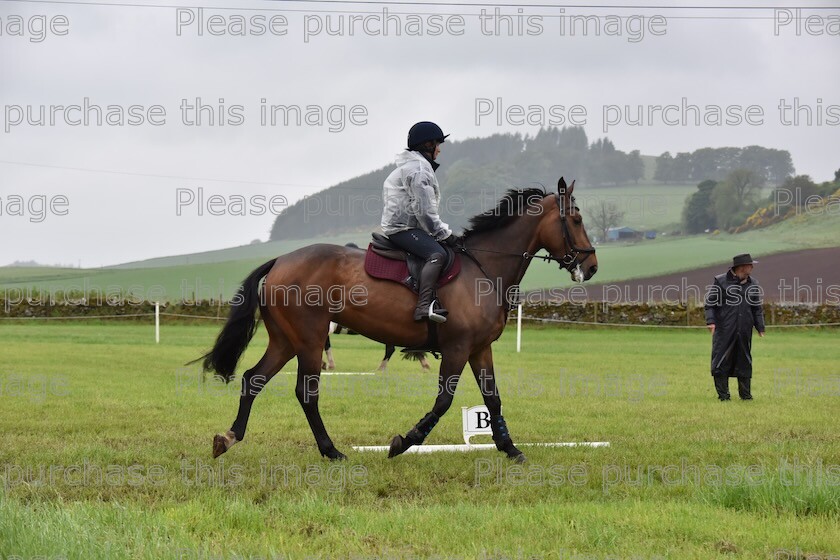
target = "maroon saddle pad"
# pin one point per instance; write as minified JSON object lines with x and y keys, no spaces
{"x":397,"y":270}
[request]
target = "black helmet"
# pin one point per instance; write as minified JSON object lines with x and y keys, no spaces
{"x":423,"y":132}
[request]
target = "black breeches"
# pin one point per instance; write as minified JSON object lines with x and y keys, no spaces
{"x":417,"y":242}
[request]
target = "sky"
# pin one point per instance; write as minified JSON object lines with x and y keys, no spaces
{"x":152,"y":181}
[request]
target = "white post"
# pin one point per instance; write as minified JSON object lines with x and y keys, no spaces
{"x":157,"y":322}
{"x":518,"y":327}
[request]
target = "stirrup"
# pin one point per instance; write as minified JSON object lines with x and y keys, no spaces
{"x":437,"y":315}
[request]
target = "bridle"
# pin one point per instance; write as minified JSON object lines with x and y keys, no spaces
{"x":572,"y":250}
{"x":568,"y":261}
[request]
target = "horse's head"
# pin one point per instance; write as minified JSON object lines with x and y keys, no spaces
{"x":563,"y":235}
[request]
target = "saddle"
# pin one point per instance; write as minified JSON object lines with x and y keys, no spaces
{"x":386,"y":261}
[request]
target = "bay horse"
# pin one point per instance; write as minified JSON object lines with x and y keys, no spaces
{"x":498,"y":247}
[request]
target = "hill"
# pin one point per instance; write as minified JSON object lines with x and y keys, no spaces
{"x":474,"y":174}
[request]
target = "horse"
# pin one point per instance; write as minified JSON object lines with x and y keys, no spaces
{"x":329,"y":365}
{"x":497,"y":249}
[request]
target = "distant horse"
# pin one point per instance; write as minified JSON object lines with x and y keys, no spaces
{"x":498,"y":246}
{"x":419,"y":356}
{"x":389,"y":350}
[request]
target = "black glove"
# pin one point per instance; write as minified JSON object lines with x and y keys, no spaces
{"x":454,"y":240}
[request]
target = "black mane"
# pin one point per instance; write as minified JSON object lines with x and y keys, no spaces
{"x":511,"y":206}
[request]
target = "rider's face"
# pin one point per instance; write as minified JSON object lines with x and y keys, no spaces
{"x":437,"y":150}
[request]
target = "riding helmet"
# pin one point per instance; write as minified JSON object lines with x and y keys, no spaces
{"x":423,"y":132}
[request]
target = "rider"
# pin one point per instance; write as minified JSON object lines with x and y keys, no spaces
{"x":410,"y":217}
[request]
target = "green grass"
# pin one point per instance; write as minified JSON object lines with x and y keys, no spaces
{"x":104,"y":395}
{"x":645,"y":206}
{"x":804,"y":231}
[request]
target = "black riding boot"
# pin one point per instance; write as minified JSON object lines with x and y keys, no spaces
{"x":427,"y":305}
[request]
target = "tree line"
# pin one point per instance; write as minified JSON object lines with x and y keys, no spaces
{"x":475,"y":173}
{"x":768,"y":165}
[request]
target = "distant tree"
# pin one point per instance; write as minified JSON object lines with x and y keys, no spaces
{"x":704,"y":165}
{"x":778,"y":166}
{"x":746,"y":184}
{"x":736,"y":196}
{"x":698,"y":213}
{"x":794,"y":191}
{"x":837,"y":176}
{"x":725,"y":204}
{"x":635,"y":166}
{"x":605,"y":215}
{"x":664,"y":166}
{"x":681,"y":167}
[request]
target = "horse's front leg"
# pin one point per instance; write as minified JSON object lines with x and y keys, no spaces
{"x":481,"y":363}
{"x":451,"y":366}
{"x":306,"y":390}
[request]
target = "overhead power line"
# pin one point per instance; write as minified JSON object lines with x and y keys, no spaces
{"x":436,"y":4}
{"x":161,"y":176}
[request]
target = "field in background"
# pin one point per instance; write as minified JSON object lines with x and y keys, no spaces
{"x":207,"y":275}
{"x":104,"y":396}
{"x":616,"y":262}
{"x":645,"y":206}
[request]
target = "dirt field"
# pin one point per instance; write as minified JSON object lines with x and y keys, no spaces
{"x":808,"y":276}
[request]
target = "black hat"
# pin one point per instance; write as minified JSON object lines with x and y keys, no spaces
{"x":738,"y":260}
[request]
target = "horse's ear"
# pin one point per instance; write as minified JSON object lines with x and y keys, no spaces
{"x":561,"y":186}
{"x":572,"y":187}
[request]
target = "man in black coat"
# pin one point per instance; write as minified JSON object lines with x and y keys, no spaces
{"x":733,"y":308}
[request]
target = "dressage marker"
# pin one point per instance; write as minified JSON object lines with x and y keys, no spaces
{"x":334,"y":373}
{"x":476,"y":420}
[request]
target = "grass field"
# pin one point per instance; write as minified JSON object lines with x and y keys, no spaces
{"x":645,"y":207}
{"x":124,"y":429}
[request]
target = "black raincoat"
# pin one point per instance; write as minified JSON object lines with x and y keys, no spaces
{"x":735,"y":309}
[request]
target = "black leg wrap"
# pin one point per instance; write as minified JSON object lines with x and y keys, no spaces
{"x":502,"y":439}
{"x":415,"y":435}
{"x":425,"y":426}
{"x":500,"y":431}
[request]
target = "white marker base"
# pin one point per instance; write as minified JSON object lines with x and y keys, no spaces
{"x":478,"y":446}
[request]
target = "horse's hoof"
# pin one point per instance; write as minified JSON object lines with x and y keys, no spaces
{"x":219,"y":445}
{"x":397,"y":447}
{"x":521,"y":458}
{"x":334,"y":455}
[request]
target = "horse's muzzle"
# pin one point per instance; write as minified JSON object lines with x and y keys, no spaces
{"x":581,"y":274}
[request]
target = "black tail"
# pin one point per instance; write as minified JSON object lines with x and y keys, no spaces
{"x":239,"y":328}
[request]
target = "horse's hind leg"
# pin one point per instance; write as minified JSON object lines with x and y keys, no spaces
{"x":279,"y":352}
{"x":306,"y":390}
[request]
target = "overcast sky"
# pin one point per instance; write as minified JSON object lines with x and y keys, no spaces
{"x":132,"y":55}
